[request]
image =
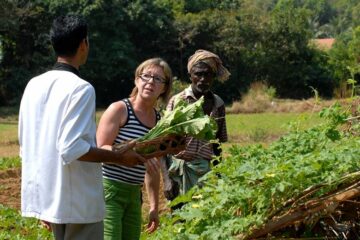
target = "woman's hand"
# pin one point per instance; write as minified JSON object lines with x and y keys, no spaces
{"x":153,"y":221}
{"x":152,"y":184}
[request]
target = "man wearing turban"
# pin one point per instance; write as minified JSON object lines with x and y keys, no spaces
{"x":182,"y":171}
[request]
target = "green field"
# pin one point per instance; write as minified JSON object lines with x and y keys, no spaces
{"x":274,"y":123}
{"x":8,"y":133}
{"x":243,"y":129}
{"x":264,"y":128}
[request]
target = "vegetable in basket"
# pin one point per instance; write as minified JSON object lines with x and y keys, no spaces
{"x":168,"y":134}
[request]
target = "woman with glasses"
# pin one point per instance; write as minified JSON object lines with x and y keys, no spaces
{"x":125,"y":120}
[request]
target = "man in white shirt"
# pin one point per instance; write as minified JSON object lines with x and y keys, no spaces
{"x":61,"y":169}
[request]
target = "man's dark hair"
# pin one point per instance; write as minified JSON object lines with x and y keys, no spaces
{"x":66,"y":34}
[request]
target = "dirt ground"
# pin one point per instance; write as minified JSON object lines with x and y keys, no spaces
{"x":10,"y":187}
{"x":10,"y":184}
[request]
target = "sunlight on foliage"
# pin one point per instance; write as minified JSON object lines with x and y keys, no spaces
{"x":253,"y":182}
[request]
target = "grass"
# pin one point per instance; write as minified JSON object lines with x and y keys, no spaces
{"x":277,"y":123}
{"x":9,"y":162}
{"x":8,"y":133}
{"x":9,"y":114}
{"x":9,"y":146}
{"x":264,"y":128}
{"x":13,"y":226}
{"x":99,"y":113}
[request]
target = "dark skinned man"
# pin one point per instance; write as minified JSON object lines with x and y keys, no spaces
{"x":182,"y":171}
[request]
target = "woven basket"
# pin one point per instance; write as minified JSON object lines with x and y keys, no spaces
{"x":158,"y":147}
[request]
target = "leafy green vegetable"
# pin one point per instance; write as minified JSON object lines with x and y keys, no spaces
{"x":255,"y":182}
{"x":184,"y":119}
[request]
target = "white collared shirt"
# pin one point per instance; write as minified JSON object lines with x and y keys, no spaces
{"x":56,"y":127}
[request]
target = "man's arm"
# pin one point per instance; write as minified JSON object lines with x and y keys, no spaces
{"x":221,"y":134}
{"x":126,"y":157}
{"x":222,"y":129}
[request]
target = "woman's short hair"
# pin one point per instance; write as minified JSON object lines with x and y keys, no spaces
{"x":157,"y":62}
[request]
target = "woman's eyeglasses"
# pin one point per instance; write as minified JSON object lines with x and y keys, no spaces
{"x":147,"y":77}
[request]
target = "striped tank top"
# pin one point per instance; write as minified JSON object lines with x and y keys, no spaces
{"x":132,"y":129}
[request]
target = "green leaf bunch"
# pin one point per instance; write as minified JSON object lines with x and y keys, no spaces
{"x":185,"y":119}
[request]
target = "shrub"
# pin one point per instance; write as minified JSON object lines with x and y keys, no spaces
{"x":258,"y":99}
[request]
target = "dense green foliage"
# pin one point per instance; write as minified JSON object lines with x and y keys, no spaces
{"x":13,"y":226}
{"x":258,"y":41}
{"x":255,"y":182}
{"x":344,"y":57}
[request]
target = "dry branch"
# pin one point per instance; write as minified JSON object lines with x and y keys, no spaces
{"x":323,"y":206}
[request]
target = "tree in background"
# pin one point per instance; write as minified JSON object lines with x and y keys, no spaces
{"x":25,"y":52}
{"x":344,"y":59}
{"x":290,"y":65}
{"x":356,"y":15}
{"x":122,"y":34}
{"x":231,"y":31}
{"x":258,"y":40}
{"x":320,"y":15}
{"x":112,"y":53}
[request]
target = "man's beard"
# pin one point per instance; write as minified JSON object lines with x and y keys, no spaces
{"x":202,"y":88}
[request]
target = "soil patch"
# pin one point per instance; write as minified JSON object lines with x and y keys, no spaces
{"x":10,"y":184}
{"x":10,"y":187}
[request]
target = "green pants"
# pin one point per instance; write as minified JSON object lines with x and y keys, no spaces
{"x":123,"y":210}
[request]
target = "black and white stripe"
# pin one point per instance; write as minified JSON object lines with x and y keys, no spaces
{"x":132,"y":129}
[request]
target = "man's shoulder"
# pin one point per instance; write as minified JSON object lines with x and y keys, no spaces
{"x":184,"y":94}
{"x":60,"y":81}
{"x":69,"y":78}
{"x":181,"y":94}
{"x":69,"y":75}
{"x":59,"y":74}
